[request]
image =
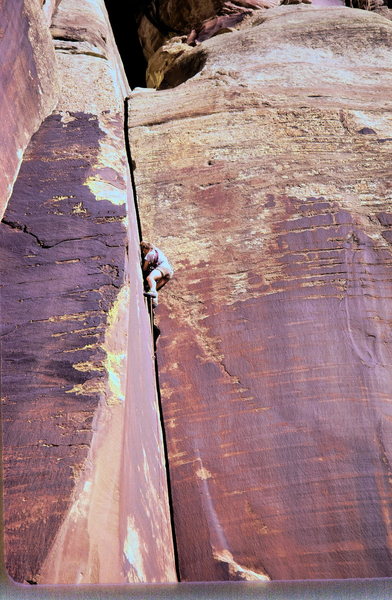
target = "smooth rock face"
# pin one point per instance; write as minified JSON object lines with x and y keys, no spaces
{"x":266,"y":180}
{"x":28,"y":82}
{"x":85,"y":485}
{"x":48,"y":8}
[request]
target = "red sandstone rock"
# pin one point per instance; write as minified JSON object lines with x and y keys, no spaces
{"x":28,"y":83}
{"x":85,"y":485}
{"x":274,"y":355}
{"x":265,"y":178}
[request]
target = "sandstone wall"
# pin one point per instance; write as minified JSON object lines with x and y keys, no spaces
{"x":85,"y":491}
{"x":266,"y":180}
{"x":28,"y":83}
{"x":265,"y":176}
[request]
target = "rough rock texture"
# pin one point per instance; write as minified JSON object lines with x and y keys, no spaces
{"x":198,"y":20}
{"x":266,"y":180}
{"x":28,"y":84}
{"x":85,"y":486}
{"x":202,"y":19}
{"x":384,"y":11}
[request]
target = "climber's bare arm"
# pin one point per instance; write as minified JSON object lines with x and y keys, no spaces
{"x":146,"y":264}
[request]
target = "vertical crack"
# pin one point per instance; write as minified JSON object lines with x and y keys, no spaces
{"x":131,"y":165}
{"x":153,"y":329}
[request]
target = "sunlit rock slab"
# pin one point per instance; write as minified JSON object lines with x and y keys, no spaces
{"x":266,"y":180}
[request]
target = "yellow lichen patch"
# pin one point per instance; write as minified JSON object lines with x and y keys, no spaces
{"x":114,"y":364}
{"x":78,"y":209}
{"x":203,"y":473}
{"x":112,"y":387}
{"x":85,"y":331}
{"x":66,"y":117}
{"x":67,"y":261}
{"x":59,"y":198}
{"x":89,"y":387}
{"x":104,"y":190}
{"x":86,"y":347}
{"x":87,"y":366}
{"x":115,"y":345}
{"x":133,"y":549}
{"x":71,"y":317}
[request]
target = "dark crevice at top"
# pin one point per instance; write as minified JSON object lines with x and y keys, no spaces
{"x":124,"y":24}
{"x":132,"y":166}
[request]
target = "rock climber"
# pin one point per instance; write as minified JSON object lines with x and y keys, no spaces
{"x":156,"y":269}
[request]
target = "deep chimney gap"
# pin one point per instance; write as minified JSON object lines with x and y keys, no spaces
{"x":123,"y":19}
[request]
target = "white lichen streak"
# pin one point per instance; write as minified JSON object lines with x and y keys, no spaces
{"x":80,"y":507}
{"x":109,"y":159}
{"x":235,"y":569}
{"x":133,"y":551}
{"x":218,"y":541}
{"x":103,"y":190}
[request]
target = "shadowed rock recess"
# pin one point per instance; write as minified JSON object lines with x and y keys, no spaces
{"x":261,"y":158}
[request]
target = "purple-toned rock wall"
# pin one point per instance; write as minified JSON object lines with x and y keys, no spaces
{"x":62,"y":266}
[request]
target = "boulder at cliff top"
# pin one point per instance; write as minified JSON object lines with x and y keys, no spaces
{"x":266,"y":180}
{"x":198,"y":19}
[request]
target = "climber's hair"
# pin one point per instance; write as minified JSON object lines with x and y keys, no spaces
{"x":146,"y":246}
